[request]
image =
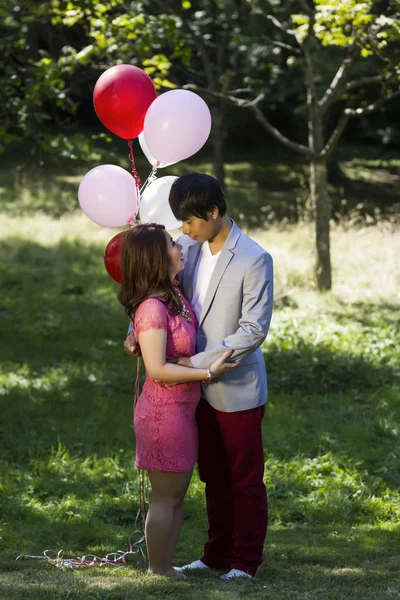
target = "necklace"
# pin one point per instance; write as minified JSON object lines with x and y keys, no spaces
{"x":183,"y":311}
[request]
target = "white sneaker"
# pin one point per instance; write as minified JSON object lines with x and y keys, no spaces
{"x":193,"y":566}
{"x":233,"y":573}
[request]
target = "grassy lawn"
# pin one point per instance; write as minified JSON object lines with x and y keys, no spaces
{"x":332,"y":439}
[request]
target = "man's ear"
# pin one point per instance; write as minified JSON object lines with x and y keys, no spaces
{"x":213,"y":212}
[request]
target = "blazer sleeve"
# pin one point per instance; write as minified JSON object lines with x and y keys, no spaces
{"x":255,"y":318}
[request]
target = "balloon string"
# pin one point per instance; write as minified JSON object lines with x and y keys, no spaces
{"x":142,"y":512}
{"x":133,"y":166}
{"x":118,"y":558}
{"x":152,"y":177}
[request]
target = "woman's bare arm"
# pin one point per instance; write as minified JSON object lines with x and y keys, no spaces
{"x":153,"y":344}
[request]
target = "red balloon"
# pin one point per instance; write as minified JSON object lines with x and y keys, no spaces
{"x":112,"y":257}
{"x":121,"y":98}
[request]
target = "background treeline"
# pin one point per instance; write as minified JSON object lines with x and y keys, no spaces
{"x":309,"y":87}
{"x":52,"y":53}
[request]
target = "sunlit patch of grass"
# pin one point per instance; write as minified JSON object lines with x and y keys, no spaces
{"x":381,"y":172}
{"x":365,"y":262}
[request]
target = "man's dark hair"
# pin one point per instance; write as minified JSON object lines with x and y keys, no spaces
{"x":194,"y":195}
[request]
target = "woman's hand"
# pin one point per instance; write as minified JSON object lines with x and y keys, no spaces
{"x":222,"y":367}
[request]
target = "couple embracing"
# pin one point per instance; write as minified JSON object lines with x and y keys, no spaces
{"x":200,"y":309}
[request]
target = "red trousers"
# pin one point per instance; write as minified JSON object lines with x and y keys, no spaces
{"x":231,"y":464}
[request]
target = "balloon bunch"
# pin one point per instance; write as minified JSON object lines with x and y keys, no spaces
{"x":170,"y":128}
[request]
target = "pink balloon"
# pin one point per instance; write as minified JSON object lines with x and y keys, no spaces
{"x":177,"y":124}
{"x":147,"y":153}
{"x":108,"y":195}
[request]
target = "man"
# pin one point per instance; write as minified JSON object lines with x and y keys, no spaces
{"x":228,"y":280}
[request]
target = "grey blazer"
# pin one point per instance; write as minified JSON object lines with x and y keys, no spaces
{"x":236,"y":315}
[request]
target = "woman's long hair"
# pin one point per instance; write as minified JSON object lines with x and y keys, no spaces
{"x":145,"y":268}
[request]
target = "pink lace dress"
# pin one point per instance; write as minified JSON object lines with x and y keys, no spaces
{"x":164,"y":419}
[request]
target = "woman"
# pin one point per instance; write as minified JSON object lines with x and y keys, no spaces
{"x":164,"y":420}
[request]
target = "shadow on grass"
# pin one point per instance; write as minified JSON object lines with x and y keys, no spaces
{"x":297,"y":365}
{"x":371,"y":314}
{"x":331,"y":547}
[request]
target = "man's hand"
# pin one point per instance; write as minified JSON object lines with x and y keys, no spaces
{"x":130,"y":345}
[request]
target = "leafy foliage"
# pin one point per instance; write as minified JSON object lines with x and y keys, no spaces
{"x":55,"y":50}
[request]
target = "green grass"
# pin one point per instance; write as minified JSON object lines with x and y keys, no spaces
{"x":331,"y":431}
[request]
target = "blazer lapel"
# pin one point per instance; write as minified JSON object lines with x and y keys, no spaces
{"x":191,"y":257}
{"x":227,"y":253}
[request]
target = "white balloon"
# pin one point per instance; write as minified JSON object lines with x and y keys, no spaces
{"x":149,"y":156}
{"x":108,"y":195}
{"x":154,"y":205}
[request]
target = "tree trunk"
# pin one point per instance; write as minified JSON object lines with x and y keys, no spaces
{"x":318,"y":179}
{"x":321,"y":202}
{"x":218,"y":143}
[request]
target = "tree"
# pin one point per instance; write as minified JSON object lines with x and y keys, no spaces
{"x":217,"y":34}
{"x":362,"y":34}
{"x":352,"y":34}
